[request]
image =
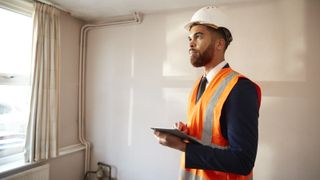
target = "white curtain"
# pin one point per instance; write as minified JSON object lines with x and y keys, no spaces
{"x":42,"y":133}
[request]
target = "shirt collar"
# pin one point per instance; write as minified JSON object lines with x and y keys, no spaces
{"x":213,"y":72}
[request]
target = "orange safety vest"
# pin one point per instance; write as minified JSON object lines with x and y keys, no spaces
{"x":204,"y":123}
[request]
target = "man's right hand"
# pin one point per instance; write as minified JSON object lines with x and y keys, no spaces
{"x":181,"y":127}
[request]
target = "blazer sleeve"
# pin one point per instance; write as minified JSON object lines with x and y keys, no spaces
{"x":239,"y":124}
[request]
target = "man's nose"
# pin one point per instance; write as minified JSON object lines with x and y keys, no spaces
{"x":191,"y":43}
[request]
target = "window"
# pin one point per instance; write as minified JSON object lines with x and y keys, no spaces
{"x":15,"y":83}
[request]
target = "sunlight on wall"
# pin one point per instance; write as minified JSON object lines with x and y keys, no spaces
{"x":177,"y":63}
{"x":175,"y":103}
{"x":130,"y":116}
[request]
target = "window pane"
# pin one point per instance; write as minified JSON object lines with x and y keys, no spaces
{"x":15,"y":87}
{"x":15,"y":44}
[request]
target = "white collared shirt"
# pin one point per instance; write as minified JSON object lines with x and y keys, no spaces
{"x":213,"y":72}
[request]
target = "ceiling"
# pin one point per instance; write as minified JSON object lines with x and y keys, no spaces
{"x":95,"y":10}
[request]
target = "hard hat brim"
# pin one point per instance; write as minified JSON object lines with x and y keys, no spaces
{"x":190,"y":24}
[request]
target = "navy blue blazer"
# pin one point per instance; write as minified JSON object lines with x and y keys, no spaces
{"x":239,"y":125}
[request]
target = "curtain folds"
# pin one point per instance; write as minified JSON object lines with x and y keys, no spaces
{"x":42,"y":133}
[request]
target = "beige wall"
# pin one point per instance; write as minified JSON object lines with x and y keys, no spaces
{"x":70,"y":166}
{"x":138,"y":76}
{"x":70,"y":43}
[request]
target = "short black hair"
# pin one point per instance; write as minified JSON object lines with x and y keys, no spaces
{"x":224,"y":33}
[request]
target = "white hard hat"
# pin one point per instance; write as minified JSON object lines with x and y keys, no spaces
{"x":213,"y":17}
{"x":210,"y":16}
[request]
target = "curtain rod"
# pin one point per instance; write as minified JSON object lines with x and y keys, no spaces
{"x":52,"y":4}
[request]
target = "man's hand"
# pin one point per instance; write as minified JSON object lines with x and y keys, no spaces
{"x":170,"y":141}
{"x":181,"y":127}
{"x":173,"y":141}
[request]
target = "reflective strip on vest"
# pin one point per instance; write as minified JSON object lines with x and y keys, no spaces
{"x":207,"y":131}
{"x":186,"y":175}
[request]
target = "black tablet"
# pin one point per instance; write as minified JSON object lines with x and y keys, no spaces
{"x":179,"y":134}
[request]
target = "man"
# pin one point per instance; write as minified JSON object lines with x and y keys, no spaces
{"x":224,"y":117}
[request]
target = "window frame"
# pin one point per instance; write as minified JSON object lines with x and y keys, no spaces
{"x":23,"y":7}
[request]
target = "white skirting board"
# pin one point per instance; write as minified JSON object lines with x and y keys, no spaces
{"x":37,"y":173}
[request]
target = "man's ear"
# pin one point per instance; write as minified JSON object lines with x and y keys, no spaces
{"x":220,"y":44}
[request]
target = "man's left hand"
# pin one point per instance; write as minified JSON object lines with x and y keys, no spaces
{"x":170,"y":141}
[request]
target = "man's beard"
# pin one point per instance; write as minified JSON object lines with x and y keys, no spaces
{"x":202,"y":59}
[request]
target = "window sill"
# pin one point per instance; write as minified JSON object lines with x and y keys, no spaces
{"x":15,"y":163}
{"x":11,"y":162}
